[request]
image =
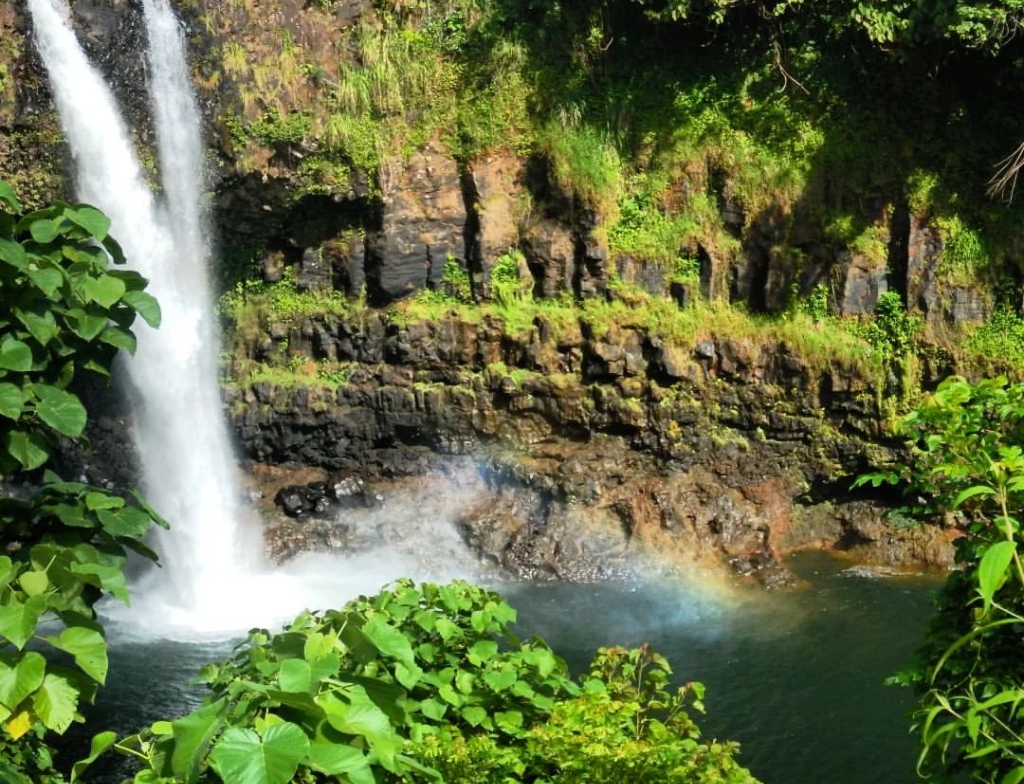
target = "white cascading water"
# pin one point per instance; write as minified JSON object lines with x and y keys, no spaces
{"x":214,"y":580}
{"x":211,"y":581}
{"x":180,"y":433}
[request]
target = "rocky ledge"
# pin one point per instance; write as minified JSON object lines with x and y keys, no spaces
{"x":590,"y":456}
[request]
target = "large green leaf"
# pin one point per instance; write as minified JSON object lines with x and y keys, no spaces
{"x":295,"y":675}
{"x":119,"y":337}
{"x":20,"y":676}
{"x":389,"y":640}
{"x":56,"y":702}
{"x":145,"y":305}
{"x":28,"y":448}
{"x":128,"y":521}
{"x":61,"y":410}
{"x":86,"y":325}
{"x":15,"y":355}
{"x":104,"y":290}
{"x":11,"y":402}
{"x":88,"y":648}
{"x":33,"y":582}
{"x":357,"y":714}
{"x":109,"y":578}
{"x":47,"y":279}
{"x":192,"y":736}
{"x":98,"y":499}
{"x":39,"y":322}
{"x":243,"y":757}
{"x":13,"y":253}
{"x":90,"y":219}
{"x":992,"y":571}
{"x":44,"y":230}
{"x":18,"y":620}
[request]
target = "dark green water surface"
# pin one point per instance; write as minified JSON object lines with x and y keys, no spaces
{"x":795,"y":676}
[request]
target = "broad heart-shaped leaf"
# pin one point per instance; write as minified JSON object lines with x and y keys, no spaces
{"x":13,"y":253}
{"x":357,"y":714}
{"x":11,"y":403}
{"x":192,"y":736}
{"x":28,"y":448}
{"x":128,"y":521}
{"x":295,"y":675}
{"x":389,"y":640}
{"x":39,"y":322}
{"x":61,"y":410}
{"x":34,"y":583}
{"x":15,"y":355}
{"x":145,"y":305}
{"x":104,"y":290}
{"x":109,"y":578}
{"x":20,"y":676}
{"x":86,"y":325}
{"x":88,"y":648}
{"x":46,"y":279}
{"x":56,"y":702}
{"x":119,"y":337}
{"x":90,"y":219}
{"x":992,"y":569}
{"x":18,"y":620}
{"x":243,"y":757}
{"x":44,"y":230}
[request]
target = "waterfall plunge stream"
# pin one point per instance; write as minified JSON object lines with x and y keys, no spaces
{"x":213,"y":580}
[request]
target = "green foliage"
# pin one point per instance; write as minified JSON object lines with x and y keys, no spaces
{"x":966,"y":457}
{"x":892,"y":331}
{"x":65,"y":311}
{"x":510,"y":288}
{"x":999,"y":341}
{"x":454,"y":287}
{"x":281,"y":302}
{"x":274,"y":130}
{"x":426,"y":681}
{"x":964,"y":259}
{"x":584,"y":163}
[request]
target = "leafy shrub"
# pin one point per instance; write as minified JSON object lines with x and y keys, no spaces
{"x":893,"y":329}
{"x":66,"y":311}
{"x":1001,"y":338}
{"x":425,"y":681}
{"x":966,"y":456}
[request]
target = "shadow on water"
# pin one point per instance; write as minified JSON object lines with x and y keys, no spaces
{"x":795,"y":676}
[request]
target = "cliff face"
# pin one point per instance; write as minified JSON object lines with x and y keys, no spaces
{"x":329,"y":170}
{"x":382,"y":194}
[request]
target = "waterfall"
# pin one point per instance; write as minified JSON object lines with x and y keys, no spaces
{"x":213,"y":580}
{"x":179,"y":426}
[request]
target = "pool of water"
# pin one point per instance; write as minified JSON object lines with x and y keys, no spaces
{"x":795,"y":676}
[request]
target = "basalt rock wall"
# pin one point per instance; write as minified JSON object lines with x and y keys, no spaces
{"x":591,"y":443}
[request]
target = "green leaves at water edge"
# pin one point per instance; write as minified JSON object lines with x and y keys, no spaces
{"x":87,"y":647}
{"x":242,"y":756}
{"x":56,"y":702}
{"x":192,"y":737}
{"x":992,"y":570}
{"x":19,"y":677}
